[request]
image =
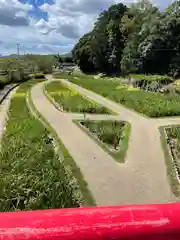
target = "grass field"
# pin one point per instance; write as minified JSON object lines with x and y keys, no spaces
{"x":71,"y":101}
{"x":112,"y":136}
{"x":33,"y":176}
{"x":147,"y":103}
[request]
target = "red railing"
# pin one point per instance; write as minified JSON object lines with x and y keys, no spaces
{"x":142,"y":222}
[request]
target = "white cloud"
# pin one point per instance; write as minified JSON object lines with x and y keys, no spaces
{"x":67,"y":21}
{"x":34,"y":48}
{"x":32,"y":40}
{"x":73,"y":18}
{"x":14,"y":13}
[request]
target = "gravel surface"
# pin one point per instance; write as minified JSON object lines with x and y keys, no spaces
{"x":141,"y":180}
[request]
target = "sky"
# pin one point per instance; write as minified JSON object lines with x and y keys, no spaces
{"x":49,"y":26}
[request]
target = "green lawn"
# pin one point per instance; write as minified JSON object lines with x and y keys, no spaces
{"x":33,"y":176}
{"x":147,"y":103}
{"x":71,"y":101}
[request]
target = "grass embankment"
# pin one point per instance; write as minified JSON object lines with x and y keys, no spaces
{"x":71,"y":101}
{"x":32,"y":175}
{"x":147,"y":103}
{"x":112,"y":136}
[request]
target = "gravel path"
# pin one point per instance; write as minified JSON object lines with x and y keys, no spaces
{"x":142,"y":179}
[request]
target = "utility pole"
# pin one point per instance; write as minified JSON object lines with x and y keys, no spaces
{"x":18,"y":47}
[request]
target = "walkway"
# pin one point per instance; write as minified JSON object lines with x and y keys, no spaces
{"x":142,"y":179}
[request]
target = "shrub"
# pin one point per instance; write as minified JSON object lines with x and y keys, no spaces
{"x":44,"y":66}
{"x":143,"y":81}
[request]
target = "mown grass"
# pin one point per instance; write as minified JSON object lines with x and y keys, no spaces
{"x":71,"y":101}
{"x":112,"y":136}
{"x":32,"y":174}
{"x":147,"y":103}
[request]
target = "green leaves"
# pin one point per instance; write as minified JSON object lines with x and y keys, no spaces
{"x":101,"y":49}
{"x":135,"y":39}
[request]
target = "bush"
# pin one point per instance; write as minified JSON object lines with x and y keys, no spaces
{"x":44,"y":66}
{"x":143,"y":81}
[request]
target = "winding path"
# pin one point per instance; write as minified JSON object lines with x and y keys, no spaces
{"x":142,"y":179}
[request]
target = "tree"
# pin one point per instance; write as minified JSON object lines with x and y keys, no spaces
{"x":141,"y":19}
{"x":161,"y":49}
{"x":68,"y":59}
{"x":58,"y":59}
{"x":139,"y":39}
{"x":102,"y":48}
{"x":83,"y":55}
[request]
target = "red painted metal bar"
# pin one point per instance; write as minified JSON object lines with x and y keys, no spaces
{"x":125,"y":222}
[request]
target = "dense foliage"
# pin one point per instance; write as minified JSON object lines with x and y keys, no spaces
{"x":59,"y":60}
{"x":71,"y":101}
{"x":101,"y":49}
{"x":152,"y":83}
{"x":139,"y":38}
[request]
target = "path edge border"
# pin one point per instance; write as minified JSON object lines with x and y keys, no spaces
{"x":123,"y":153}
{"x":88,"y":198}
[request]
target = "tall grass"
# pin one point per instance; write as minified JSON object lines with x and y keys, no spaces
{"x":32,"y":175}
{"x":147,"y":103}
{"x":112,"y":136}
{"x":71,"y":101}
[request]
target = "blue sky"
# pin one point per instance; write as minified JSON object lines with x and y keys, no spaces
{"x":49,"y":26}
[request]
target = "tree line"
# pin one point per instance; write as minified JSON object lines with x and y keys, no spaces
{"x":138,"y":38}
